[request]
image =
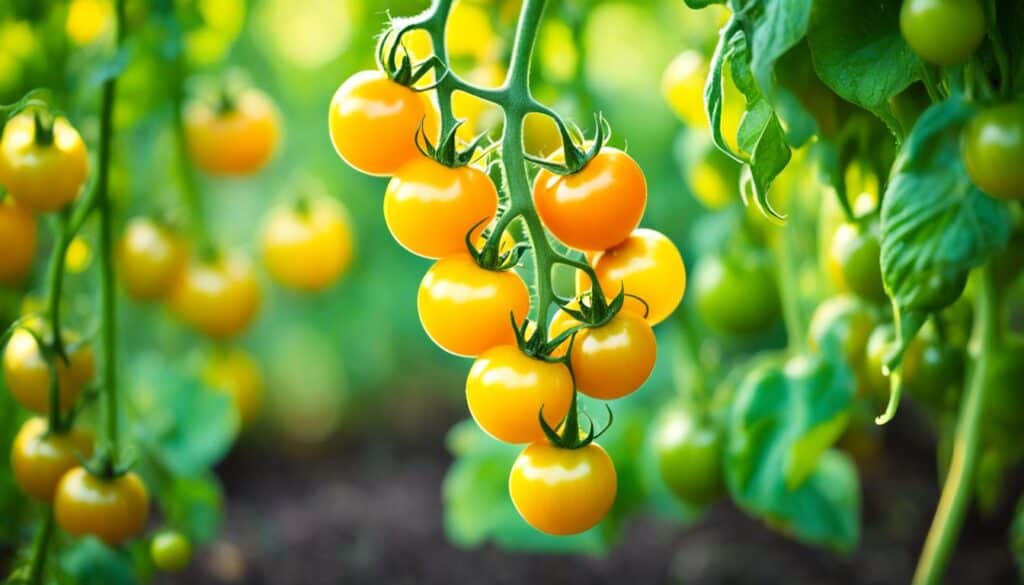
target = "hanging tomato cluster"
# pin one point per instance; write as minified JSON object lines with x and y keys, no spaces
{"x":441,"y":203}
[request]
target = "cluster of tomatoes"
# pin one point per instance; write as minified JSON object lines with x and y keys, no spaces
{"x":522,"y":386}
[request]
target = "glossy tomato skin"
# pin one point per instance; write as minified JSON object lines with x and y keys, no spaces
{"x":19,"y":236}
{"x":373,"y":123}
{"x":506,"y":389}
{"x":615,"y":359}
{"x":39,"y":459}
{"x":235,"y":372}
{"x":27,"y":375}
{"x":736,"y":297}
{"x":465,"y":309}
{"x":238,"y":142}
{"x":218,"y":298}
{"x":597,"y":207}
{"x":854,"y":262}
{"x":563,"y":491}
{"x":171,"y":551}
{"x":308,"y":249}
{"x":943,"y":32}
{"x":429,"y":207}
{"x":151,"y":257}
{"x":689,"y":453}
{"x":42,"y":178}
{"x":647,"y":264}
{"x":113,"y":510}
{"x":993,"y":148}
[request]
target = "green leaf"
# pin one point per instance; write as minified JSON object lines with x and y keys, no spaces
{"x":778,"y":27}
{"x":729,"y":40}
{"x":698,"y":4}
{"x":779,"y":465}
{"x":858,"y":51}
{"x":89,"y":562}
{"x":194,"y":506}
{"x":186,"y":427}
{"x":936,"y":225}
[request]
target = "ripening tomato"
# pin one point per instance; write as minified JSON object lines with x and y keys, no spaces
{"x":113,"y":510}
{"x":647,"y":264}
{"x":736,"y":296}
{"x":150,"y":257}
{"x":563,"y":491}
{"x":40,"y":458}
{"x":235,"y":372}
{"x":238,"y":141}
{"x":506,"y":389}
{"x":171,"y":551}
{"x":993,"y":148}
{"x":28,"y":377}
{"x":465,"y":309}
{"x":690,"y":454}
{"x":596,"y":207}
{"x":430,"y":207}
{"x":615,"y":359}
{"x":218,"y":298}
{"x":943,"y":32}
{"x":373,"y":122}
{"x":308,"y":246}
{"x":19,"y":233}
{"x":42,"y":173}
{"x":853,"y":262}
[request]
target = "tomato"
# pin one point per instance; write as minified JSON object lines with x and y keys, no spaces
{"x":239,"y":141}
{"x":171,"y":551}
{"x":308,"y":247}
{"x":615,"y":359}
{"x":27,"y":375}
{"x":507,"y":388}
{"x":39,"y":459}
{"x":218,"y":298}
{"x":235,"y":372}
{"x":19,"y":234}
{"x":847,"y":323}
{"x":736,"y":296}
{"x":465,"y":309}
{"x":563,"y":491}
{"x":150,"y":257}
{"x":430,"y":208}
{"x":113,"y":510}
{"x":42,"y":177}
{"x":690,"y":453}
{"x":932,"y":371}
{"x":993,"y":148}
{"x":373,"y":123}
{"x":647,"y":264}
{"x":853,"y":262}
{"x":943,"y":32}
{"x":596,"y":207}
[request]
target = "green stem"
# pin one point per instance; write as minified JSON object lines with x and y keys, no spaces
{"x":186,"y":172}
{"x":108,"y":293}
{"x":956,"y":493}
{"x":40,"y":549}
{"x":788,"y":278}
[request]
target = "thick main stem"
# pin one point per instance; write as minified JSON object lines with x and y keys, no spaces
{"x":956,"y":493}
{"x":40,"y":549}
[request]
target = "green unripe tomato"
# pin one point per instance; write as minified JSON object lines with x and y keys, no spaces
{"x":993,"y":150}
{"x":736,"y":296}
{"x":943,"y":32}
{"x":171,"y":551}
{"x":847,"y":323}
{"x":689,"y":453}
{"x":932,"y":371}
{"x":853,"y":262}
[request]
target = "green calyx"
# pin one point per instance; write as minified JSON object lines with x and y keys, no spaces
{"x":43,"y":122}
{"x":570,"y":438}
{"x":105,"y":465}
{"x":400,"y":68}
{"x":446,"y":152}
{"x":576,"y":157}
{"x":593,"y":310}
{"x":536,"y":345}
{"x":490,"y":256}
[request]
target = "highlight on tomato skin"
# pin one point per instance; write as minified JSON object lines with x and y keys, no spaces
{"x":44,"y":175}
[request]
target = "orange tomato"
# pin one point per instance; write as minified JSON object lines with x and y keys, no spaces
{"x":150,"y":257}
{"x":308,"y":248}
{"x":42,"y":177}
{"x":239,"y":141}
{"x":219,"y":298}
{"x":113,"y":510}
{"x":648,"y":265}
{"x":615,"y":359}
{"x":19,"y":232}
{"x":28,"y":377}
{"x":39,"y":458}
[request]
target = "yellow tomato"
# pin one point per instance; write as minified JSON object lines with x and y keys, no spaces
{"x":151,"y":258}
{"x":113,"y":510}
{"x":238,"y":141}
{"x":19,"y":232}
{"x":308,"y":247}
{"x":563,"y":491}
{"x":235,"y":372}
{"x":219,"y":298}
{"x":647,"y":265}
{"x":615,"y":359}
{"x":88,"y":20}
{"x":28,"y":377}
{"x":39,"y":458}
{"x":43,"y":176}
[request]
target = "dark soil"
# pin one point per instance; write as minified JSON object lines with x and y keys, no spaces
{"x":372,"y":514}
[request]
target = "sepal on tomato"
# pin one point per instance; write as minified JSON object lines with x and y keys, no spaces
{"x":576,"y":157}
